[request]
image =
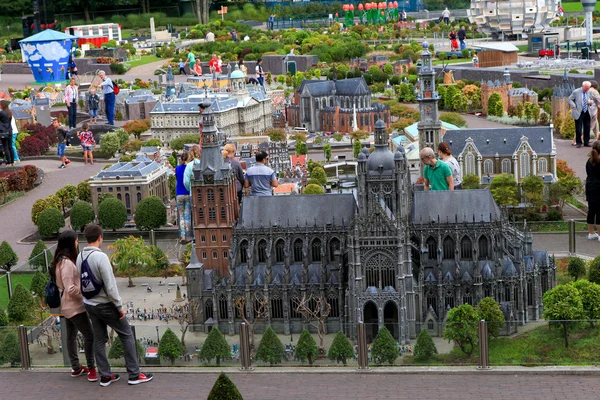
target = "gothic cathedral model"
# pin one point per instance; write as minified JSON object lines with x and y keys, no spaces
{"x":430,"y":127}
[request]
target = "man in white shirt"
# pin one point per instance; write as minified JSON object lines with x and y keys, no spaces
{"x":109,"y":97}
{"x":446,"y":16}
{"x":260,"y":73}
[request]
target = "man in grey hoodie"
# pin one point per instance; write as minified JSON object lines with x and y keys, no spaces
{"x":106,"y":309}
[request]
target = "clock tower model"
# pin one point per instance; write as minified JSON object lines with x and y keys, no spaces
{"x":430,"y":127}
{"x":215,"y":207}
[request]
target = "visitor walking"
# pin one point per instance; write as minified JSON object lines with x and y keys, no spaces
{"x":233,"y":34}
{"x":260,"y":73}
{"x":104,"y":306}
{"x":446,"y":16}
{"x":191,"y":59}
{"x":271,"y":21}
{"x":437,"y":174}
{"x":87,"y":143}
{"x":446,"y":156}
{"x":592,"y":190}
{"x":475,"y":61}
{"x":64,"y":271}
{"x":15,"y":133}
{"x":62,"y":143}
{"x":109,"y":97}
{"x":453,"y":42}
{"x":244,"y":69}
{"x":93,"y":103}
{"x":182,"y":67}
{"x":580,"y":101}
{"x":71,"y":98}
{"x":193,"y":158}
{"x":182,"y":196}
{"x":259,"y":178}
{"x":6,"y":132}
{"x":229,"y":156}
{"x":213,"y":66}
{"x":462,"y":35}
{"x":72,"y":67}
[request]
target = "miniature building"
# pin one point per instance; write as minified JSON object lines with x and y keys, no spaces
{"x":560,"y":98}
{"x":497,"y":54}
{"x":510,"y":97}
{"x":131,"y":182}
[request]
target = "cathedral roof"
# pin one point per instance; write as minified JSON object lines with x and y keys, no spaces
{"x":502,"y":141}
{"x":455,"y":206}
{"x":509,"y":268}
{"x":301,"y":210}
{"x":382,"y":158}
{"x":344,"y":87}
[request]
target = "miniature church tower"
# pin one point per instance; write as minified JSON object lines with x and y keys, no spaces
{"x":237,"y":83}
{"x":430,"y":127}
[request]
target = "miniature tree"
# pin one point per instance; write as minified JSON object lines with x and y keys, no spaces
{"x":313,"y":189}
{"x":185,"y":314}
{"x":384,"y":347}
{"x":461,"y":328}
{"x":425,"y":348}
{"x":470,"y":181}
{"x":318,"y":173}
{"x":341,"y":349}
{"x":593,"y":271}
{"x":489,"y":310}
{"x":327,"y":152}
{"x":84,"y":193}
{"x":169,"y":346}
{"x":357,"y":148}
{"x":116,"y":350}
{"x":50,"y":221}
{"x":8,"y":257}
{"x":110,"y":144}
{"x":301,"y":148}
{"x":491,"y":104}
{"x":306,"y":349}
{"x":112,"y":214}
{"x":82,"y":213}
{"x":576,"y":267}
{"x":67,"y":196}
{"x":150,"y":214}
{"x":215,"y":346}
{"x":533,"y":187}
{"x":504,"y":190}
{"x":9,"y":349}
{"x":270,"y":349}
{"x":259,"y":305}
{"x":38,"y":284}
{"x":315,"y":310}
{"x":37,"y":258}
{"x":19,"y":306}
{"x":224,"y":388}
{"x":130,"y":255}
{"x":562,"y":305}
{"x":590,"y":299}
{"x":276,"y":135}
{"x":3,"y":318}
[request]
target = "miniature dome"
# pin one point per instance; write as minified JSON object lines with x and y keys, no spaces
{"x":382,"y":157}
{"x":379,"y":124}
{"x":236,"y":74}
{"x":365,"y":151}
{"x":398,"y":156}
{"x":362,"y":157}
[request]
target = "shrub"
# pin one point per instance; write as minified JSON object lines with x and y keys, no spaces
{"x":31,"y":175}
{"x":461,"y":328}
{"x":67,"y":196}
{"x":49,"y":222}
{"x":593,"y":270}
{"x":170,"y":346}
{"x":112,"y":214}
{"x":224,"y":388}
{"x":177,"y":144}
{"x":137,"y":127}
{"x":127,"y":158}
{"x":576,"y":267}
{"x":3,"y":318}
{"x":132,"y":146}
{"x":36,"y":258}
{"x":9,"y":349}
{"x":270,"y":348}
{"x":567,"y":128}
{"x":17,"y":181}
{"x":150,"y":214}
{"x":109,"y":143}
{"x":453,"y":118}
{"x":82,"y":213}
{"x":590,"y":295}
{"x":8,"y":257}
{"x":318,"y":173}
{"x":116,"y":350}
{"x":341,"y":349}
{"x":172,"y":186}
{"x":84,"y":193}
{"x":306,"y":349}
{"x":425,"y":348}
{"x":20,"y":304}
{"x":313,"y":188}
{"x":123,"y":136}
{"x":489,"y":310}
{"x":153,"y":143}
{"x":215,"y":346}
{"x":384,"y":347}
{"x":470,"y":181}
{"x":39,"y":206}
{"x":38,"y":284}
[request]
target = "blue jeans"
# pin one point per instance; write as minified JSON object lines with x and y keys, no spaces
{"x":261,"y":80}
{"x":14,"y":146}
{"x":72,"y":115}
{"x":109,"y":103}
{"x":184,"y":207}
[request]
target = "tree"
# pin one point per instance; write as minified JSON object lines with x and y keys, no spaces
{"x":19,"y":306}
{"x":313,"y":189}
{"x":3,"y":318}
{"x":594,"y":270}
{"x":49,"y":222}
{"x":130,"y":255}
{"x":185,"y":314}
{"x":461,"y":328}
{"x":470,"y":181}
{"x":533,"y":187}
{"x":491,"y":104}
{"x":40,"y":205}
{"x":327,"y":151}
{"x":576,"y":267}
{"x":384,"y":347}
{"x":425,"y":348}
{"x":519,"y":110}
{"x":276,"y":135}
{"x":169,"y":346}
{"x":37,"y":258}
{"x":154,"y":142}
{"x":137,"y":127}
{"x":8,"y":257}
{"x":67,"y":196}
{"x":567,"y":127}
{"x":504,"y":190}
{"x":453,"y":118}
{"x":315,"y":310}
{"x":116,"y":350}
{"x":562,"y":305}
{"x":299,"y":137}
{"x":338,"y":137}
{"x":215,"y":346}
{"x":341,"y":349}
{"x":301,"y":148}
{"x":112,"y":214}
{"x":82,"y":213}
{"x":319,"y":174}
{"x":224,"y":388}
{"x":150,"y":214}
{"x":359,"y":135}
{"x":38,"y":284}
{"x":499,"y":109}
{"x":270,"y":349}
{"x":357,"y":148}
{"x":259,"y":307}
{"x":590,"y":299}
{"x":306,"y":349}
{"x":489,"y":310}
{"x":9,"y":349}
{"x":110,"y":144}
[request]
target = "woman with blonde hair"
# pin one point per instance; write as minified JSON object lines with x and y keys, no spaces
{"x":193,"y":159}
{"x":182,"y":196}
{"x":228,"y":155}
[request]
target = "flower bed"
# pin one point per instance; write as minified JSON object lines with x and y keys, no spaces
{"x":17,"y":180}
{"x":40,"y":139}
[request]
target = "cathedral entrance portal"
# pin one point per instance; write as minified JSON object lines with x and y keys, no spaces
{"x":371,"y":320}
{"x":390,"y":318}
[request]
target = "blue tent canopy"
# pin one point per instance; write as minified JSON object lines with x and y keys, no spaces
{"x":48,"y":54}
{"x":48,"y":35}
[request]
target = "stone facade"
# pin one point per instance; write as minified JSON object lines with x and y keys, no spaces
{"x":510,"y":97}
{"x":560,"y":98}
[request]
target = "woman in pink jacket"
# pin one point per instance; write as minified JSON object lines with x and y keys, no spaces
{"x":63,"y":268}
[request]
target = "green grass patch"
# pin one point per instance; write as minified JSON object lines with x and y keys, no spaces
{"x":23,"y":279}
{"x":147,"y":59}
{"x":577,"y":7}
{"x":451,"y":61}
{"x":555,"y":226}
{"x":574,"y":202}
{"x":523,"y":48}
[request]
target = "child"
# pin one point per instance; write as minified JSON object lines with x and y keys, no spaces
{"x":93,"y":102}
{"x":87,"y":143}
{"x":182,"y":67}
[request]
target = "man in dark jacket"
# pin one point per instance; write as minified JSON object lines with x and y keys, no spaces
{"x":462,"y":35}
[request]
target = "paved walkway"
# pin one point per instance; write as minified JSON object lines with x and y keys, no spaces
{"x":301,"y":386}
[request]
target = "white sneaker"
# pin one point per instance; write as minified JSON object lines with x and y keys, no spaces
{"x":593,"y":236}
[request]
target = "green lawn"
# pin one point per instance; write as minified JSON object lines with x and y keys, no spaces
{"x":451,"y":61}
{"x":24,"y":279}
{"x":577,"y":7}
{"x":554,"y":226}
{"x":147,"y":59}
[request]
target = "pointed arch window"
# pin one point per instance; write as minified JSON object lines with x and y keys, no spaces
{"x":221,"y":195}
{"x":244,"y":252}
{"x":470,"y":164}
{"x":506,"y":166}
{"x":334,"y":247}
{"x":279,"y":251}
{"x":488,"y":167}
{"x":525,"y":165}
{"x":431,"y":246}
{"x":298,"y":250}
{"x":448,"y":248}
{"x":262,"y":251}
{"x":466,"y":249}
{"x":542,"y":166}
{"x":316,"y":251}
{"x":483,"y":248}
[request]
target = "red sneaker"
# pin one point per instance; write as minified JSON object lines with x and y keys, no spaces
{"x":92,"y":375}
{"x":142,"y":378}
{"x":68,"y":161}
{"x":107,"y":380}
{"x":80,"y":372}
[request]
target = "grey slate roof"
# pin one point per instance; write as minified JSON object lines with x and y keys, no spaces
{"x":301,"y":210}
{"x":454,"y":205}
{"x":344,"y":87}
{"x":491,"y":141}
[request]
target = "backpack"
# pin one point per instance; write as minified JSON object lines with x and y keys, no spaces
{"x":90,"y":286}
{"x":52,"y":294}
{"x":116,"y":89}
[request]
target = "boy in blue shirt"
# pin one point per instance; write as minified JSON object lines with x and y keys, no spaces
{"x":182,"y":67}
